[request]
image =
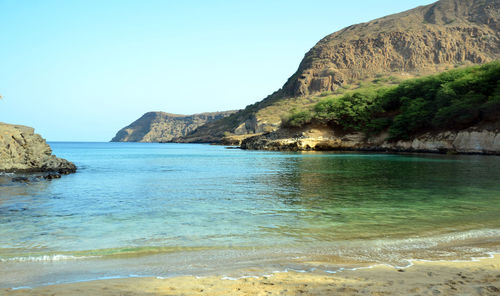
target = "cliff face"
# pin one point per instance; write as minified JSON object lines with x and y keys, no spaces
{"x":164,"y":127}
{"x":21,"y":150}
{"x":419,"y":41}
{"x":424,"y":40}
{"x":483,"y":138}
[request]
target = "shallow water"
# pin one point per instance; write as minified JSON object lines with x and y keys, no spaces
{"x":168,"y":209}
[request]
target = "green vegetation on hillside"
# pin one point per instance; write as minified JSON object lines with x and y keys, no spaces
{"x":450,"y":100}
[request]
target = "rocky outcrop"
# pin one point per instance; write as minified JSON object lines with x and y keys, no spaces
{"x":164,"y":127}
{"x":420,"y":41}
{"x":21,"y":150}
{"x":481,"y":139}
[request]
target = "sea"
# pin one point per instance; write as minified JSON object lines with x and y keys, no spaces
{"x":164,"y":210}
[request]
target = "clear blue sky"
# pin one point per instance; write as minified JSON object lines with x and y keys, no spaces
{"x":81,"y":70}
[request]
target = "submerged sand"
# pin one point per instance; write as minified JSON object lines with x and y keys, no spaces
{"x":480,"y":277}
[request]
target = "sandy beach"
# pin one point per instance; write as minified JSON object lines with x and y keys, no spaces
{"x":480,"y":277}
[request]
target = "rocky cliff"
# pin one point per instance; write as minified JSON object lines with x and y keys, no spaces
{"x":21,"y":150}
{"x":424,"y":40}
{"x":483,"y":138}
{"x":419,"y":41}
{"x":164,"y":127}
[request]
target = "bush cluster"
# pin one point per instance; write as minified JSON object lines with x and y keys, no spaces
{"x":451,"y":100}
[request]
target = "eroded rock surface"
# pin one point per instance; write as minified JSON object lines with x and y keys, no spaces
{"x":480,"y":139}
{"x":422,"y":40}
{"x":21,"y":150}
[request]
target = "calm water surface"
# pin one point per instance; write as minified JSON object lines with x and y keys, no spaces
{"x":139,"y":209}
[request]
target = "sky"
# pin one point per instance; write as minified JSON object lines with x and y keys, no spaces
{"x":82,"y":70}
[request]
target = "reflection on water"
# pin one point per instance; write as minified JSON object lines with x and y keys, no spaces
{"x":135,"y":198}
{"x":351,"y":196}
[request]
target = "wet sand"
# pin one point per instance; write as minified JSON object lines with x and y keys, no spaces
{"x":423,"y":278}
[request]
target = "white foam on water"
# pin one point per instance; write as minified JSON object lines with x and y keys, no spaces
{"x":21,"y":287}
{"x":490,"y":255}
{"x":411,"y":263}
{"x":7,"y":174}
{"x":45,"y":258}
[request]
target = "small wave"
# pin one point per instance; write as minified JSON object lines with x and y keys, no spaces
{"x":7,"y":174}
{"x":489,"y":255}
{"x":356,"y":268}
{"x":21,"y":288}
{"x":45,"y":258}
{"x":101,"y":253}
{"x":434,"y":240}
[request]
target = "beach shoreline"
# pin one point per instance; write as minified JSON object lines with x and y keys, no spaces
{"x":475,"y":277}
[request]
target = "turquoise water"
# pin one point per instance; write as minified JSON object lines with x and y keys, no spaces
{"x":166,"y":209}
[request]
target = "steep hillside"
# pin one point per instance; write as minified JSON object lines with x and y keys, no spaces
{"x":163,"y":127}
{"x":424,"y":40}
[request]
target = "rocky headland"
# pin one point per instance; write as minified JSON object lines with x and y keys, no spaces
{"x":165,"y":127}
{"x":24,"y":151}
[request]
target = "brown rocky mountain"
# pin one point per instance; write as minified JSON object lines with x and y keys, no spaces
{"x":423,"y":40}
{"x":419,"y":41}
{"x":163,"y":127}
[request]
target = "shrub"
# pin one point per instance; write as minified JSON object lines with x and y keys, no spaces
{"x":297,"y":119}
{"x":351,"y":111}
{"x":377,"y":125}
